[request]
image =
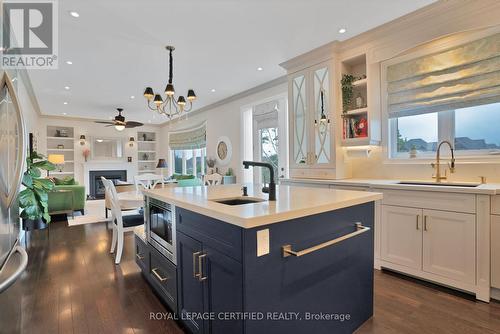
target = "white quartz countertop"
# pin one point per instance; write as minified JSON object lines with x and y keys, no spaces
{"x":291,"y":202}
{"x":486,"y":189}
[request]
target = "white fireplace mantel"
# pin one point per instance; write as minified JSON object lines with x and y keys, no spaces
{"x":95,"y":165}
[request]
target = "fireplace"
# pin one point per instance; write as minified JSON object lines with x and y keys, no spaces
{"x":96,"y":188}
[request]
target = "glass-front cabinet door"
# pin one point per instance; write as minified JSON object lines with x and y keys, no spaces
{"x":311,"y":118}
{"x":299,"y":120}
{"x":322,"y":116}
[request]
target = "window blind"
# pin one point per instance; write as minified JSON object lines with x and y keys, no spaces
{"x":266,"y":115}
{"x":463,"y":76}
{"x":188,"y":139}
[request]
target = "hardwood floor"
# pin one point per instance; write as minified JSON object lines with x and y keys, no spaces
{"x":72,"y":286}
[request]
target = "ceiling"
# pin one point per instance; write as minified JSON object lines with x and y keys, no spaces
{"x":117,"y":48}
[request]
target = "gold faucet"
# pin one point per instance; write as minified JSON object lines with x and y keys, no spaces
{"x":437,"y":164}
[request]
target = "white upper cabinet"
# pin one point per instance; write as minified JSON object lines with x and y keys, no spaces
{"x":314,"y":119}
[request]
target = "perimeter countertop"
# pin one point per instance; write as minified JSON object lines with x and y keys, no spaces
{"x":291,"y":202}
{"x":486,"y":189}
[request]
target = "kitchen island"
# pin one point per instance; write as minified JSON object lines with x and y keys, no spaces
{"x":300,"y":264}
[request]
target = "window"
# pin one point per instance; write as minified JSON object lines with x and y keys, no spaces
{"x":473,"y":130}
{"x":476,"y":128}
{"x":269,"y":152}
{"x":178,"y":161}
{"x":418,"y":132}
{"x":189,"y":162}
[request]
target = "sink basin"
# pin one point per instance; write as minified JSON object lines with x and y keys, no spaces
{"x":238,"y":200}
{"x":443,"y":184}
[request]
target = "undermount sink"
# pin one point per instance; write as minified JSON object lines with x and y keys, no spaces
{"x":444,"y":184}
{"x":238,"y":200}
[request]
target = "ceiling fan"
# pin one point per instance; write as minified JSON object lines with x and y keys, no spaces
{"x":120,"y":123}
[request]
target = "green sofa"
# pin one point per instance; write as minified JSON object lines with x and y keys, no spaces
{"x":186,"y":180}
{"x":66,"y":198}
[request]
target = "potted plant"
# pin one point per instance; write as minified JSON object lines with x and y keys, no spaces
{"x":33,"y":200}
{"x":347,"y":91}
{"x":229,"y":178}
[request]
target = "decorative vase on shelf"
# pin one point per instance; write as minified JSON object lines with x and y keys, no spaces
{"x":359,"y":101}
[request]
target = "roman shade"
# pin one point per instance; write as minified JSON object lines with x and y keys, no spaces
{"x":188,"y":139}
{"x":265,"y":115}
{"x":463,"y":76}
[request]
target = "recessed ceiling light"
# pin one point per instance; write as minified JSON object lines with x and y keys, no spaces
{"x":74,"y":14}
{"x":132,"y":97}
{"x":69,"y":62}
{"x":213,"y":90}
{"x":259,"y":69}
{"x":64,"y":114}
{"x":66,"y":87}
{"x":342,"y":30}
{"x":65,"y":102}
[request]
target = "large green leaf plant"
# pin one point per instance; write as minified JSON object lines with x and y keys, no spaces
{"x":33,"y":200}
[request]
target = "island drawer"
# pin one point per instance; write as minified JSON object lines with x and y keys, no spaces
{"x":163,"y":276}
{"x":220,"y":235}
{"x":443,"y":201}
{"x":141,"y":253}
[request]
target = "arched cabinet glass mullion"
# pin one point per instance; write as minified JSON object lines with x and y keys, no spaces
{"x":300,"y":140}
{"x":322,"y":116}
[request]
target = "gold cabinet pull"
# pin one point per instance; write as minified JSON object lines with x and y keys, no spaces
{"x":201,"y":278}
{"x":155,"y":272}
{"x":417,"y":221}
{"x":195,"y":274}
{"x":425,"y":223}
{"x":287,"y":249}
{"x":139,"y":256}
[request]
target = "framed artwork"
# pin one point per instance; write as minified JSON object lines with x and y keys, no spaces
{"x":223,"y":151}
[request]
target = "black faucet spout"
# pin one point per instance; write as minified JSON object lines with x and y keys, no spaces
{"x":272,"y":184}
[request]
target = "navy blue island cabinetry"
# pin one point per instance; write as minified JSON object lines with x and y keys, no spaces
{"x":224,"y":287}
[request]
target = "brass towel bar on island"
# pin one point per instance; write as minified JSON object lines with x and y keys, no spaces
{"x":287,"y":249}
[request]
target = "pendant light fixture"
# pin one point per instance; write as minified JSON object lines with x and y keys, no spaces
{"x":323,"y":120}
{"x":171,"y":106}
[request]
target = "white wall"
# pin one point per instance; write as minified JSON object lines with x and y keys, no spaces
{"x":91,"y":129}
{"x":224,"y":120}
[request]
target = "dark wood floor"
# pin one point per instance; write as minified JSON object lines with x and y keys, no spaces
{"x":72,"y":286}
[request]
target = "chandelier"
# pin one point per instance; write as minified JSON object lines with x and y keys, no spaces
{"x":170,"y":107}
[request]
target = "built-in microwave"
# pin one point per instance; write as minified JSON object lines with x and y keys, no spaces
{"x":160,"y":227}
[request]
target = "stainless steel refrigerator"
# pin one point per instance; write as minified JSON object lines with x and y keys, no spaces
{"x":13,"y":258}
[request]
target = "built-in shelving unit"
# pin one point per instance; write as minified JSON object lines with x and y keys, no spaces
{"x":61,"y":140}
{"x":360,"y":118}
{"x":355,"y":113}
{"x":146,"y":152}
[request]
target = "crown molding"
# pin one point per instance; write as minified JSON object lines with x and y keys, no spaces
{"x":446,"y":11}
{"x":310,"y":58}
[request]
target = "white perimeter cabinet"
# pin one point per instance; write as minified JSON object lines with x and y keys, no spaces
{"x":433,"y":241}
{"x":401,"y":239}
{"x":437,"y":236}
